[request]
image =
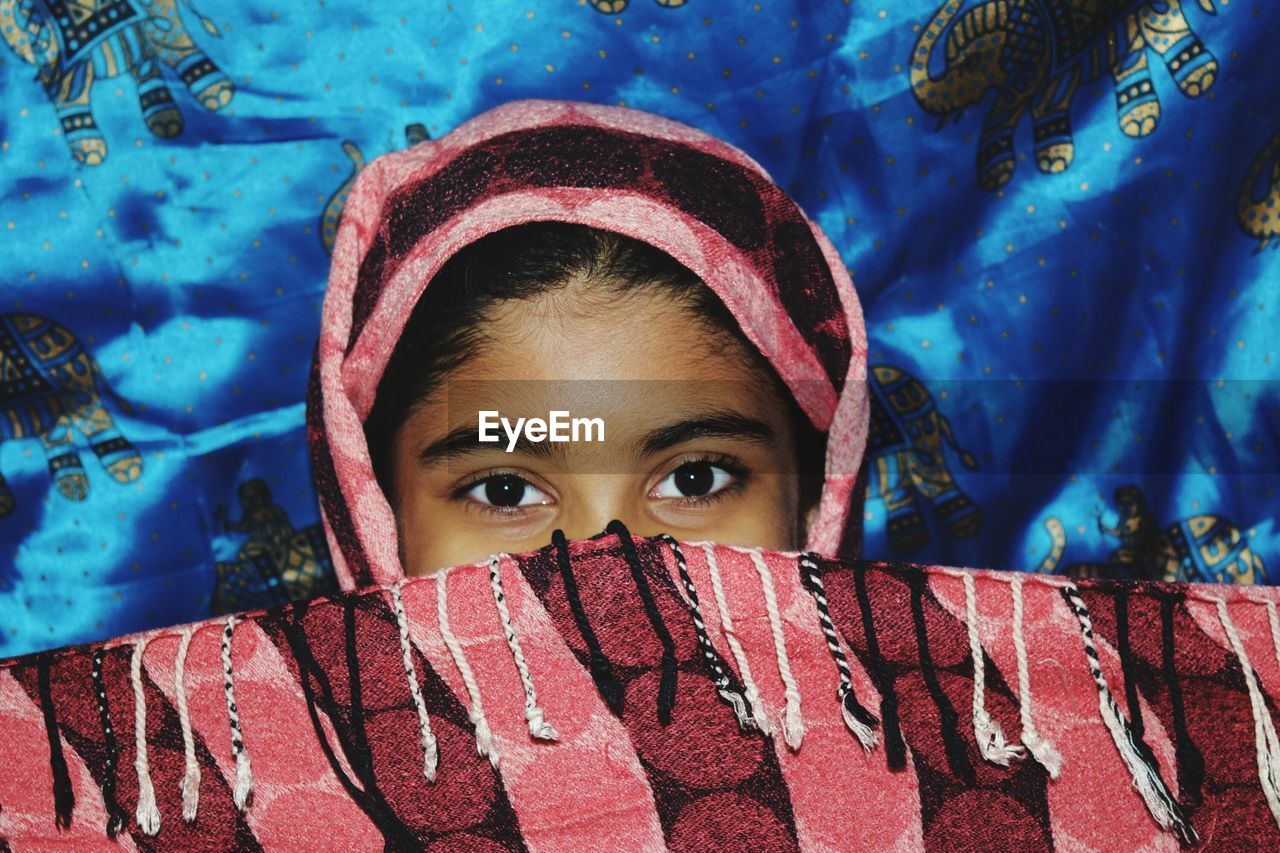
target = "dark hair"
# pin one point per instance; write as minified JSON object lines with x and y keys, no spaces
{"x":526,"y":261}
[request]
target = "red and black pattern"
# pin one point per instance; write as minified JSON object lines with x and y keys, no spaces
{"x":219,"y":824}
{"x":1205,"y":706}
{"x":345,"y":653}
{"x":738,"y":203}
{"x":963,"y":799}
{"x":715,"y":786}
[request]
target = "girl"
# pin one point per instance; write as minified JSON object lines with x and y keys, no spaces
{"x":555,"y":256}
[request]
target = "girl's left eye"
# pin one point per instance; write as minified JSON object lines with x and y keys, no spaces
{"x":506,"y":491}
{"x":694,"y":479}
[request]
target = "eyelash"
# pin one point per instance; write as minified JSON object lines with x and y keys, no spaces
{"x":741,"y":476}
{"x":739,"y":472}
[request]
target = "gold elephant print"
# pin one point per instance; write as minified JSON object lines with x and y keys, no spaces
{"x":1258,"y":210}
{"x":1035,"y":54}
{"x":906,"y":448}
{"x":74,"y":43}
{"x":278,"y":563}
{"x":51,"y":389}
{"x":1202,"y":548}
{"x":613,"y":7}
{"x":332,"y":214}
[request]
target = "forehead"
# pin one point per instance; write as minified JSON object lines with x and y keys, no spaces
{"x":635,"y":361}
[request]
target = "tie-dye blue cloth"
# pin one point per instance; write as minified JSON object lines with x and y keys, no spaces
{"x":1059,"y":215}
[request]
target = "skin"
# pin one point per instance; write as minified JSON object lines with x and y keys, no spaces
{"x":682,"y":415}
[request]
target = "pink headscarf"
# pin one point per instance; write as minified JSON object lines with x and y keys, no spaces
{"x":701,"y":200}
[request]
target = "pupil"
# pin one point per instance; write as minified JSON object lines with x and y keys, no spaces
{"x":504,"y":490}
{"x":694,"y":479}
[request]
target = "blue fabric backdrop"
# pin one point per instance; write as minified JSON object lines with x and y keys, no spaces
{"x":1058,"y":214}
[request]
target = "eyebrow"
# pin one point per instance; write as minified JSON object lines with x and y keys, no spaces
{"x":711,"y":425}
{"x":465,"y":440}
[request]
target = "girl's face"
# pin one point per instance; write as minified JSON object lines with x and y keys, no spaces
{"x":701,"y":449}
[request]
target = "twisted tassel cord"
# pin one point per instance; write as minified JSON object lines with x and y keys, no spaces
{"x":725,"y":688}
{"x":430,"y":749}
{"x":792,"y":721}
{"x":64,"y":798}
{"x":953,"y":742}
{"x":601,"y":671}
{"x":539,"y":728}
{"x":667,"y":684}
{"x":148,"y":814}
{"x":191,"y":777}
{"x":858,"y":719}
{"x":1041,"y":749}
{"x":1146,"y":777}
{"x":1190,"y":760}
{"x":244,"y":770}
{"x":116,"y":816}
{"x":1267,"y":745}
{"x":749,"y":688}
{"x":987,"y":732}
{"x":484,"y":737}
{"x":895,"y":747}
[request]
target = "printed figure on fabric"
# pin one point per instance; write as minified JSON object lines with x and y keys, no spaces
{"x":51,"y":389}
{"x":1258,"y":209}
{"x":278,"y":564}
{"x":73,"y":43}
{"x":1036,"y":53}
{"x":906,"y":451}
{"x":332,"y":215}
{"x":1202,"y":548}
{"x":612,"y":7}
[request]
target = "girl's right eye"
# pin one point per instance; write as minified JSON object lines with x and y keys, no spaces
{"x":506,"y":491}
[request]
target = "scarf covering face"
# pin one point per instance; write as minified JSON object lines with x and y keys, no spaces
{"x":701,"y":200}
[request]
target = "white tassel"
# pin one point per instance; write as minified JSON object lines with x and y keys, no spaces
{"x":147,"y":813}
{"x":430,"y":749}
{"x":739,"y":656}
{"x":191,"y":779}
{"x":987,"y":732}
{"x":1267,"y":745}
{"x":1040,"y":748}
{"x":484,"y":737}
{"x":539,"y":728}
{"x":244,"y":771}
{"x":792,"y":722}
{"x":1146,"y":778}
{"x":1275,"y":627}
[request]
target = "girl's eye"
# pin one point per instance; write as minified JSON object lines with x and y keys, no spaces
{"x":506,"y":490}
{"x":694,"y":480}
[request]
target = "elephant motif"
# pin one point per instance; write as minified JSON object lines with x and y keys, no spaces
{"x":1258,"y":210}
{"x":413,"y":133}
{"x":73,"y":43}
{"x":278,"y":564}
{"x":1036,"y":53}
{"x":906,"y":450}
{"x":613,"y":7}
{"x":51,"y":389}
{"x":1202,"y":548}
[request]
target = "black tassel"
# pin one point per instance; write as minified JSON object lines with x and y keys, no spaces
{"x":64,"y":799}
{"x":1190,"y":760}
{"x":667,"y":687}
{"x":812,"y":582}
{"x":957,"y":754}
{"x":1124,"y":649}
{"x":115,"y":814}
{"x":894,"y":747}
{"x":601,"y":672}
